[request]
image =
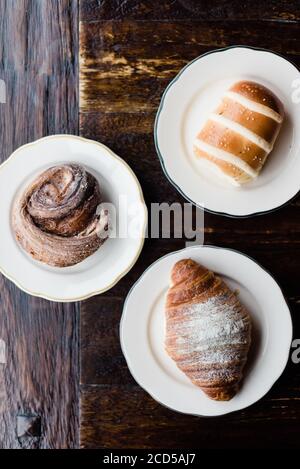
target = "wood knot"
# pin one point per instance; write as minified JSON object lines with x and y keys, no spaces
{"x":28,"y":426}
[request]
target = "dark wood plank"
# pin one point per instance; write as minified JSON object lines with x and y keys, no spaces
{"x":93,"y":10}
{"x":129,"y":52}
{"x":118,"y":56}
{"x":127,"y":417}
{"x":38,"y":62}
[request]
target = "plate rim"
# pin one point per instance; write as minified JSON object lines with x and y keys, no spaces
{"x":156,"y":123}
{"x":142,"y":200}
{"x":210,"y":246}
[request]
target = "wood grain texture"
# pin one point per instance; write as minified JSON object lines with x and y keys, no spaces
{"x":130,"y":418}
{"x":129,"y":52}
{"x":38,"y":62}
{"x":272,"y":10}
{"x":128,"y":55}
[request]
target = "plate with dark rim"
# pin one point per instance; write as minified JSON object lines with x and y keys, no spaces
{"x":185,"y":105}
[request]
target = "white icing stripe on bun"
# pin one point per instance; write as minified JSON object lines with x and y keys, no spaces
{"x":243,"y":131}
{"x":214,"y":169}
{"x":254,"y":106}
{"x":225,"y":156}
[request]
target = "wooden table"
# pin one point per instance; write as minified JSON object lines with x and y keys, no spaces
{"x":39,"y":65}
{"x":129,"y":51}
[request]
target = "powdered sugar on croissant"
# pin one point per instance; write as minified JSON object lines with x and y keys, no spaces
{"x":208,"y":330}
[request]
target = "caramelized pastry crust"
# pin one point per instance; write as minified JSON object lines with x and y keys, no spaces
{"x":239,"y":135}
{"x":56,"y":220}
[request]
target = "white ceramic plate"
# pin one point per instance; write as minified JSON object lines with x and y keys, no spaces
{"x":184,"y":107}
{"x":143,"y":327}
{"x":114,"y":259}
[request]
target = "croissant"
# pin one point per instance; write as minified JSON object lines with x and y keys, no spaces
{"x":208,"y":331}
{"x":56,"y":218}
{"x":237,"y":138}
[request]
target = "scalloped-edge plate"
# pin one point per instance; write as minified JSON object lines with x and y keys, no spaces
{"x":113,"y":260}
{"x":185,"y":105}
{"x":142,"y":332}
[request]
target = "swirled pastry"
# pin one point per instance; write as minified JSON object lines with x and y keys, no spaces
{"x":208,"y":331}
{"x":238,"y":137}
{"x":56,"y":219}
